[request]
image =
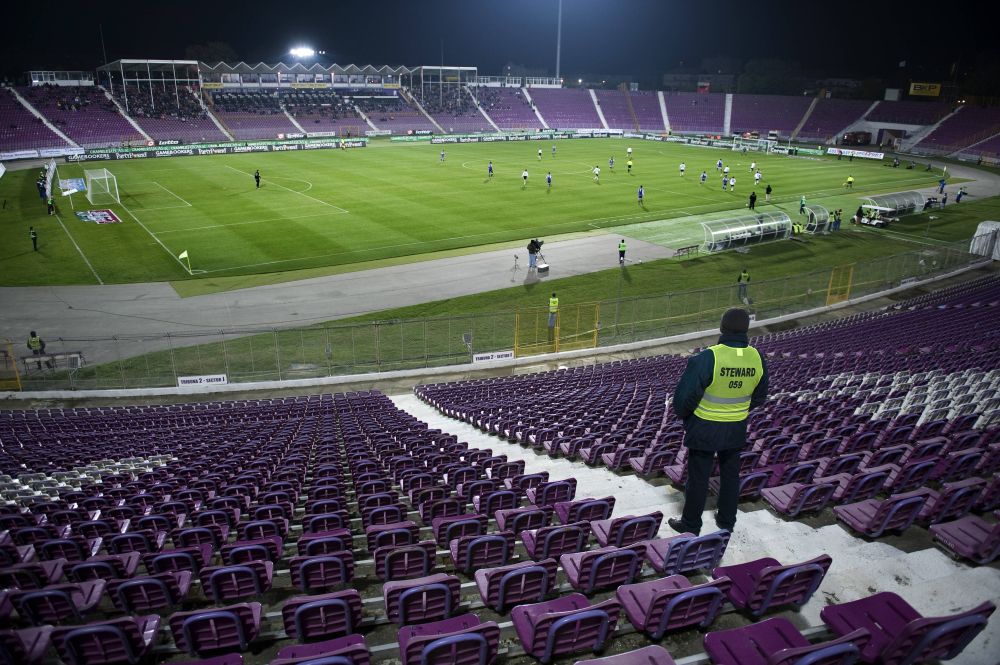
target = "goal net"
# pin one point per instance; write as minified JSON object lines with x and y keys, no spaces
{"x":102,"y":187}
{"x":753,"y":145}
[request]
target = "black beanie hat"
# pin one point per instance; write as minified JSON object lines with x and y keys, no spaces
{"x":735,"y":321}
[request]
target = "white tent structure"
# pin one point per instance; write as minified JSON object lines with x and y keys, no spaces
{"x":986,"y":241}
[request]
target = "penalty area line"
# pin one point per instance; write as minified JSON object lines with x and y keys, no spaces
{"x":82,"y":255}
{"x":172,"y":194}
{"x":153,"y":236}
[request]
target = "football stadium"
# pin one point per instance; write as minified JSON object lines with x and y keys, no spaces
{"x":681,"y":353}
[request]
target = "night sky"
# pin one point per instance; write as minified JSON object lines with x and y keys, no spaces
{"x":639,"y":37}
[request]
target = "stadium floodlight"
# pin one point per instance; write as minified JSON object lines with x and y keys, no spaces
{"x":302,"y":52}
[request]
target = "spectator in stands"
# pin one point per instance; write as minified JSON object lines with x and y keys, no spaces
{"x":714,"y":397}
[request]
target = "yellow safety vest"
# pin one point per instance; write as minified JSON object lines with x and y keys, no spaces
{"x":744,"y":277}
{"x":735,"y":375}
{"x":35,"y":343}
{"x":621,"y":247}
{"x":553,"y":305}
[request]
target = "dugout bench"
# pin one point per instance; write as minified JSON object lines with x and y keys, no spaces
{"x":68,"y":359}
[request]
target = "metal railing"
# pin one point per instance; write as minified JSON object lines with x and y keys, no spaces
{"x":334,"y":349}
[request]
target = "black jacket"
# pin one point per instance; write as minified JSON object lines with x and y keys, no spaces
{"x":703,"y":434}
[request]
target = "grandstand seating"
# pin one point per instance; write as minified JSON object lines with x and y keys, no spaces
{"x":20,"y":130}
{"x":508,"y":108}
{"x":453,"y":109}
{"x":323,"y":111}
{"x":970,"y":125}
{"x":988,"y":148}
{"x":394,"y":114}
{"x":251,"y":115}
{"x":690,"y":112}
{"x":339,"y":527}
{"x":645,"y":106}
{"x":566,"y":108}
{"x":830,"y":117}
{"x":764,"y":113}
{"x":84,"y":114}
{"x":908,"y":112}
{"x":168,"y":114}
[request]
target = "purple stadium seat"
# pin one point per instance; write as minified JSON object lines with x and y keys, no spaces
{"x":349,"y":650}
{"x":447,"y":529}
{"x":24,"y":647}
{"x":34,"y":575}
{"x":602,"y":568}
{"x":523,"y":519}
{"x":324,"y":542}
{"x":57,"y":603}
{"x":405,"y":561}
{"x":672,"y":603}
{"x":952,"y":501}
{"x":552,"y":492}
{"x":526,"y":582}
{"x":153,"y":592}
{"x":121,"y":640}
{"x":308,"y":618}
{"x":223,"y":583}
{"x":422,"y":599}
{"x":554,"y":541}
{"x":225,"y":628}
{"x":585,"y":510}
{"x":191,"y":559}
{"x":626,"y":529}
{"x":463,"y":640}
{"x":323,"y":571}
{"x":488,"y":503}
{"x":686,"y":553}
{"x":763,"y":584}
{"x":651,"y":655}
{"x":257,"y":549}
{"x":777,"y":642}
{"x":105,"y":567}
{"x":486,"y":551}
{"x":858,"y":486}
{"x":796,"y":498}
{"x":566,"y":625}
{"x":970,"y":537}
{"x":382,"y":535}
{"x":900,"y":634}
{"x":873,"y":517}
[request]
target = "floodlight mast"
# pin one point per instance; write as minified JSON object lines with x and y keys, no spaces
{"x":302,"y":52}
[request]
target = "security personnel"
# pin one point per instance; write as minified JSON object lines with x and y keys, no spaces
{"x":553,"y":310}
{"x":621,"y":252}
{"x":33,"y":236}
{"x":51,"y":204}
{"x":714,"y":397}
{"x":742,"y":282}
{"x":37,"y":346}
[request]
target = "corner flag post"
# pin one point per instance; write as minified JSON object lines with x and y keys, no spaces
{"x":184,"y":255}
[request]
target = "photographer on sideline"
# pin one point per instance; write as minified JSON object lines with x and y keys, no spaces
{"x":534,"y":247}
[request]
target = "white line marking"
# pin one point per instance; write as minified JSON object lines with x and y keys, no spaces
{"x":82,"y":255}
{"x":292,"y":190}
{"x":258,"y":221}
{"x":172,"y":194}
{"x":153,"y":236}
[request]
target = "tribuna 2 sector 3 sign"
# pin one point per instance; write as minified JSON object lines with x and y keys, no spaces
{"x":925,"y":89}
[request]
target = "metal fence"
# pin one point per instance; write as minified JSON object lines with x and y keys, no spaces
{"x":245,"y":355}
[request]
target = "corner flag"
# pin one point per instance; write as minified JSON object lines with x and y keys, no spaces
{"x":183,"y":255}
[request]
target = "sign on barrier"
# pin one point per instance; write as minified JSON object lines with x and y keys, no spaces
{"x":493,"y":355}
{"x":203,"y":380}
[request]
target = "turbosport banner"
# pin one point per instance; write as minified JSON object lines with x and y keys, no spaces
{"x":215,"y":149}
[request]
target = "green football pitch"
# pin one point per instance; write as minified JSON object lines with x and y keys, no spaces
{"x":328,"y":209}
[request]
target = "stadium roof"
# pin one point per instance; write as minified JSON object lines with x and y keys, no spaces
{"x":299,"y":68}
{"x":145,"y":65}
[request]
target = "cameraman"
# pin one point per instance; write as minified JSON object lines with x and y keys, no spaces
{"x":534,"y":247}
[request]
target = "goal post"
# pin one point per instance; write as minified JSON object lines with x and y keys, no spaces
{"x":102,"y":186}
{"x":741,"y":144}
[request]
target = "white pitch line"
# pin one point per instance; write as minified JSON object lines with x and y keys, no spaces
{"x":172,"y":194}
{"x":153,"y":236}
{"x":82,"y":255}
{"x":292,"y":190}
{"x":258,"y":221}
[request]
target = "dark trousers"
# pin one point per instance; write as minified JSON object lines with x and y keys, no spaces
{"x":699,"y":464}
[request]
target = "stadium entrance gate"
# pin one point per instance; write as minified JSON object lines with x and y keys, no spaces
{"x":577,"y":327}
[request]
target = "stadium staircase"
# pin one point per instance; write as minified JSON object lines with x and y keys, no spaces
{"x":727,"y":119}
{"x":538,"y":114}
{"x":663,"y":110}
{"x":597,"y":107}
{"x":207,"y":103}
{"x":910,"y":141}
{"x":631,"y":109}
{"x":292,"y":120}
{"x":805,"y":117}
{"x":858,"y":124}
{"x":482,"y":110}
{"x":364,"y":117}
{"x":26,"y":104}
{"x":121,"y":111}
{"x":413,"y":100}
